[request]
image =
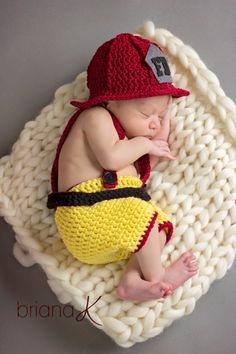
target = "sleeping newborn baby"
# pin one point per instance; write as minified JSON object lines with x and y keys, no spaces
{"x":102,"y":209}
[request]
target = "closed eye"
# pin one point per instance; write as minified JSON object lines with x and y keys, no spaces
{"x":147,"y":115}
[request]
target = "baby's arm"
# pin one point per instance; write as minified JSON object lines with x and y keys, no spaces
{"x":111,"y":153}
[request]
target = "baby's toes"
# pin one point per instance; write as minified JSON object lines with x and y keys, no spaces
{"x":165,"y":287}
{"x":168,"y":292}
{"x":190,"y":264}
{"x":187,"y":256}
{"x":193,"y":264}
{"x":190,"y":260}
{"x":192,"y":257}
{"x":193,"y":267}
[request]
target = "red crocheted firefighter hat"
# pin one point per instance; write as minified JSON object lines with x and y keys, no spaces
{"x":126,"y":67}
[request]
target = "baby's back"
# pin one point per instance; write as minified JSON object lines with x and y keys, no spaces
{"x":77,"y":162}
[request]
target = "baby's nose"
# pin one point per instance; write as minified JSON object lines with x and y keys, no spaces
{"x":155,"y":123}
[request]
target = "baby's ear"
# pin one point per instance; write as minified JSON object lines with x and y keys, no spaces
{"x":109,"y":103}
{"x":104,"y":104}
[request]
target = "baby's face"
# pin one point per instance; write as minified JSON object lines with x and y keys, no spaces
{"x":140,"y":116}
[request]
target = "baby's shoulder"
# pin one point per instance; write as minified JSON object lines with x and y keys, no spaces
{"x":94,"y":111}
{"x":94,"y":116}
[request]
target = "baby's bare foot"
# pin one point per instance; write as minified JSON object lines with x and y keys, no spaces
{"x":181,"y":270}
{"x":143,"y":290}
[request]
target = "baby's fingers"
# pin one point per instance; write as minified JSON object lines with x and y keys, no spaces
{"x":160,"y":142}
{"x":169,"y":156}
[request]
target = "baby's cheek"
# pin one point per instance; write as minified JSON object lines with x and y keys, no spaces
{"x":141,"y":128}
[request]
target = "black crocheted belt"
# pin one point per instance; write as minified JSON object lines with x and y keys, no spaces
{"x":56,"y":199}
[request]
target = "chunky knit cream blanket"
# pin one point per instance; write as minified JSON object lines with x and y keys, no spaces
{"x":198,"y":190}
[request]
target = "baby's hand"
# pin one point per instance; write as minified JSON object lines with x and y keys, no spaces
{"x":164,"y":131}
{"x":168,"y":109}
{"x":160,"y":148}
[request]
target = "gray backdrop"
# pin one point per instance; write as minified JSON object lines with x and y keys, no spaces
{"x":45,"y":44}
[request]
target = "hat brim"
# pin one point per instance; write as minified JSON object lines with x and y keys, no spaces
{"x":169,"y":90}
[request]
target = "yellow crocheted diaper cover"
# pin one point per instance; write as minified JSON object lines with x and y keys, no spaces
{"x":109,"y":230}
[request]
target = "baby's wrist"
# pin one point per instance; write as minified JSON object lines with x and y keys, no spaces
{"x":146,"y":143}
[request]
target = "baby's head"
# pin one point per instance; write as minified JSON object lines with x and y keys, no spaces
{"x":140,"y":116}
{"x":126,"y":71}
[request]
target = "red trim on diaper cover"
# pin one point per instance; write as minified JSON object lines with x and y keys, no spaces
{"x":166,"y":224}
{"x":147,"y":232}
{"x":169,"y":226}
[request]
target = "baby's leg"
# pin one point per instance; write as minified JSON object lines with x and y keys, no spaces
{"x":149,"y":258}
{"x":134,"y":285}
{"x":145,"y":278}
